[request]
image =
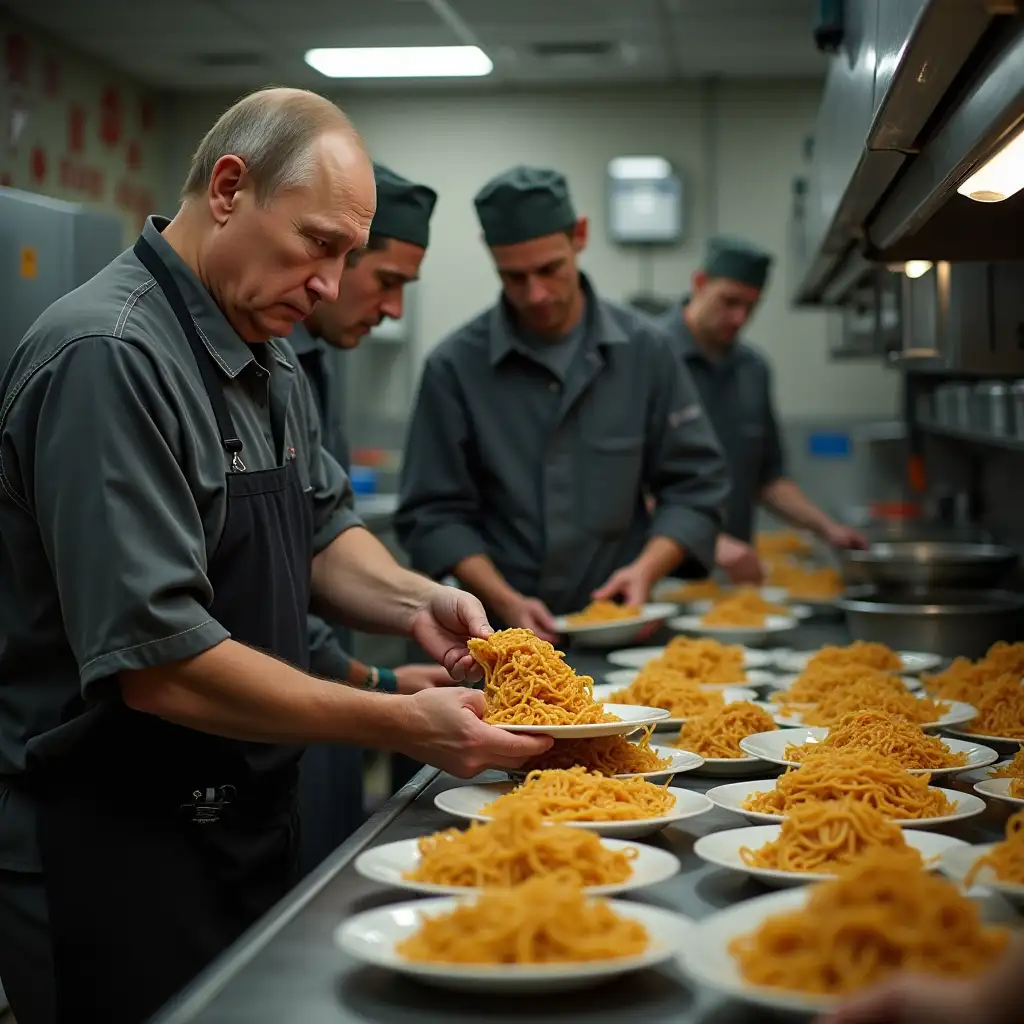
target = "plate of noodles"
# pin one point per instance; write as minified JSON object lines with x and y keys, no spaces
{"x":622,"y":808}
{"x":804,"y":949}
{"x":1010,"y":791}
{"x":813,"y":843}
{"x":861,"y":652}
{"x":511,"y":850}
{"x":545,"y":935}
{"x":998,"y":867}
{"x":714,"y":625}
{"x":879,"y":781}
{"x":716,"y":737}
{"x":703,"y":593}
{"x":621,"y":678}
{"x":948,"y":713}
{"x":608,"y":624}
{"x":682,"y":705}
{"x":619,"y":720}
{"x":918,"y":752}
{"x":637,"y":657}
{"x":782,"y":684}
{"x":614,"y":756}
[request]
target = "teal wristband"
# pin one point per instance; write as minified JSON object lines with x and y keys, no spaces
{"x":387,"y":681}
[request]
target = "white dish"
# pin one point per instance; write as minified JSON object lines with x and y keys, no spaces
{"x":786,"y":682}
{"x":732,"y":796}
{"x":734,"y":767}
{"x":771,"y":746}
{"x":913,"y":661}
{"x":1005,"y":744}
{"x":957,"y":714}
{"x":469,"y":801}
{"x":637,"y":657}
{"x":388,"y":865}
{"x":999,"y":789}
{"x":957,"y":862}
{"x":620,"y":678}
{"x":616,"y":631}
{"x":730,"y":694}
{"x":631,"y":717}
{"x":723,"y":850}
{"x":371,"y":938}
{"x":682,"y":761}
{"x":735,"y":634}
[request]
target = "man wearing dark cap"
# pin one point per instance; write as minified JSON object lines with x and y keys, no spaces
{"x":541,"y":424}
{"x":735,"y":385}
{"x":371,"y":290}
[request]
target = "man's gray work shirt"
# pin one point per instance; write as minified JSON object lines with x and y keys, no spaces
{"x":548,"y":476}
{"x":113,"y":496}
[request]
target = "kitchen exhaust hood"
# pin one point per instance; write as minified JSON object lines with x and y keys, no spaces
{"x":920,"y":94}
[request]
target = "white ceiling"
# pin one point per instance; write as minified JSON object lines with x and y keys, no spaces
{"x":185,"y":45}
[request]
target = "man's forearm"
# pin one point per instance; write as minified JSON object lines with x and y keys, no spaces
{"x":240,"y":693}
{"x":786,"y":500}
{"x":480,"y":576}
{"x":659,"y":557}
{"x":356,"y":581}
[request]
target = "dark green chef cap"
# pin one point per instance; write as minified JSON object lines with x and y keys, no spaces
{"x":522,"y":204}
{"x":403,"y":208}
{"x":737,"y":259}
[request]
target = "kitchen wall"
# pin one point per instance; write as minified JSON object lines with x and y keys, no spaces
{"x":72,"y":130}
{"x":738,"y":151}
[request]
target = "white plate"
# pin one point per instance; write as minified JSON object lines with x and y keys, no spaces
{"x":732,"y":796}
{"x":735,"y":634}
{"x":723,"y":850}
{"x":637,"y":657}
{"x":620,"y":678}
{"x":957,"y":714}
{"x":1002,"y":743}
{"x":371,"y":938}
{"x":734,"y":767}
{"x":957,"y":862}
{"x":631,"y":717}
{"x":778,"y":682}
{"x":682,"y":761}
{"x":913,"y":661}
{"x":771,"y":746}
{"x":388,"y":864}
{"x":616,"y":631}
{"x":468,"y":801}
{"x":999,"y":789}
{"x":730,"y":694}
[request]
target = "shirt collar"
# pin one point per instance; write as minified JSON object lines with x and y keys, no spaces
{"x":303,"y":343}
{"x":229,"y":352}
{"x":601,"y":328}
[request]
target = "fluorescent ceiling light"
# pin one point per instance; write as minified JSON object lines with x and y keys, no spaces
{"x":653,"y":168}
{"x":1000,"y":176}
{"x":916,"y":268}
{"x":401,"y":62}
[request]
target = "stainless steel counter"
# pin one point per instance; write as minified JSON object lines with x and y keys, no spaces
{"x":286,"y":969}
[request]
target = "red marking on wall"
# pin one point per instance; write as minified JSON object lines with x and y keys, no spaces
{"x":133,"y":156}
{"x":76,"y":128}
{"x":82,"y":178}
{"x":37,"y":163}
{"x":111,"y":119}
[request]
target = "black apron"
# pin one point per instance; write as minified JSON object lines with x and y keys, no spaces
{"x":160,"y":844}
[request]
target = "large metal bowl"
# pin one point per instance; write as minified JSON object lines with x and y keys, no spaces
{"x":931,"y":564}
{"x":947,"y":622}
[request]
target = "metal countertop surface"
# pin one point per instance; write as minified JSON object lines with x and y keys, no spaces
{"x":287,"y":968}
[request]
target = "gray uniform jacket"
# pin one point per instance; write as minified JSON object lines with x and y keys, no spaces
{"x":548,"y":477}
{"x":113,"y":494}
{"x":737,"y":393}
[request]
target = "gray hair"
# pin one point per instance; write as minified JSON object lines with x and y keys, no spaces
{"x":272,"y":131}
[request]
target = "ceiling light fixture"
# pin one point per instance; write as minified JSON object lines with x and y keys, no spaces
{"x":916,"y":268}
{"x":400,"y":62}
{"x":1000,"y":176}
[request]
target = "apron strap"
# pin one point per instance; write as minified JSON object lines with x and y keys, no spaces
{"x":149,"y":258}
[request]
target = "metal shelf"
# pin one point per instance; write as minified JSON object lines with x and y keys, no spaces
{"x":1014,"y":444}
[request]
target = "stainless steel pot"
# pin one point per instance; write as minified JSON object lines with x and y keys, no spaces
{"x":904,"y":564}
{"x":948,"y":622}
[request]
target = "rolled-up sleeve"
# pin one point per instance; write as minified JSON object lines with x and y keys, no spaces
{"x":685,"y":468}
{"x":773,"y":464}
{"x":333,"y":501}
{"x":93,"y":436}
{"x":439,"y":503}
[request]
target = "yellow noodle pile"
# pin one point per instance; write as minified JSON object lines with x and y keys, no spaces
{"x":602,"y":611}
{"x":886,"y":734}
{"x":659,"y":687}
{"x":705,"y":661}
{"x":781,"y":542}
{"x":718,"y":734}
{"x":1013,"y":770}
{"x":821,"y":682}
{"x":733,"y":611}
{"x":867,"y":694}
{"x":574,"y":794}
{"x":1000,"y":709}
{"x":527,"y":682}
{"x":878,"y":781}
{"x":606,"y":755}
{"x":861,"y":652}
{"x":517,"y":846}
{"x":880,"y":915}
{"x":819,"y":838}
{"x":967,"y":681}
{"x":698,"y":590}
{"x":806,"y":584}
{"x":1006,"y":859}
{"x":751,"y":597}
{"x":546,"y":920}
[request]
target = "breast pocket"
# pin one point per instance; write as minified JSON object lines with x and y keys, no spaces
{"x":611,"y":483}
